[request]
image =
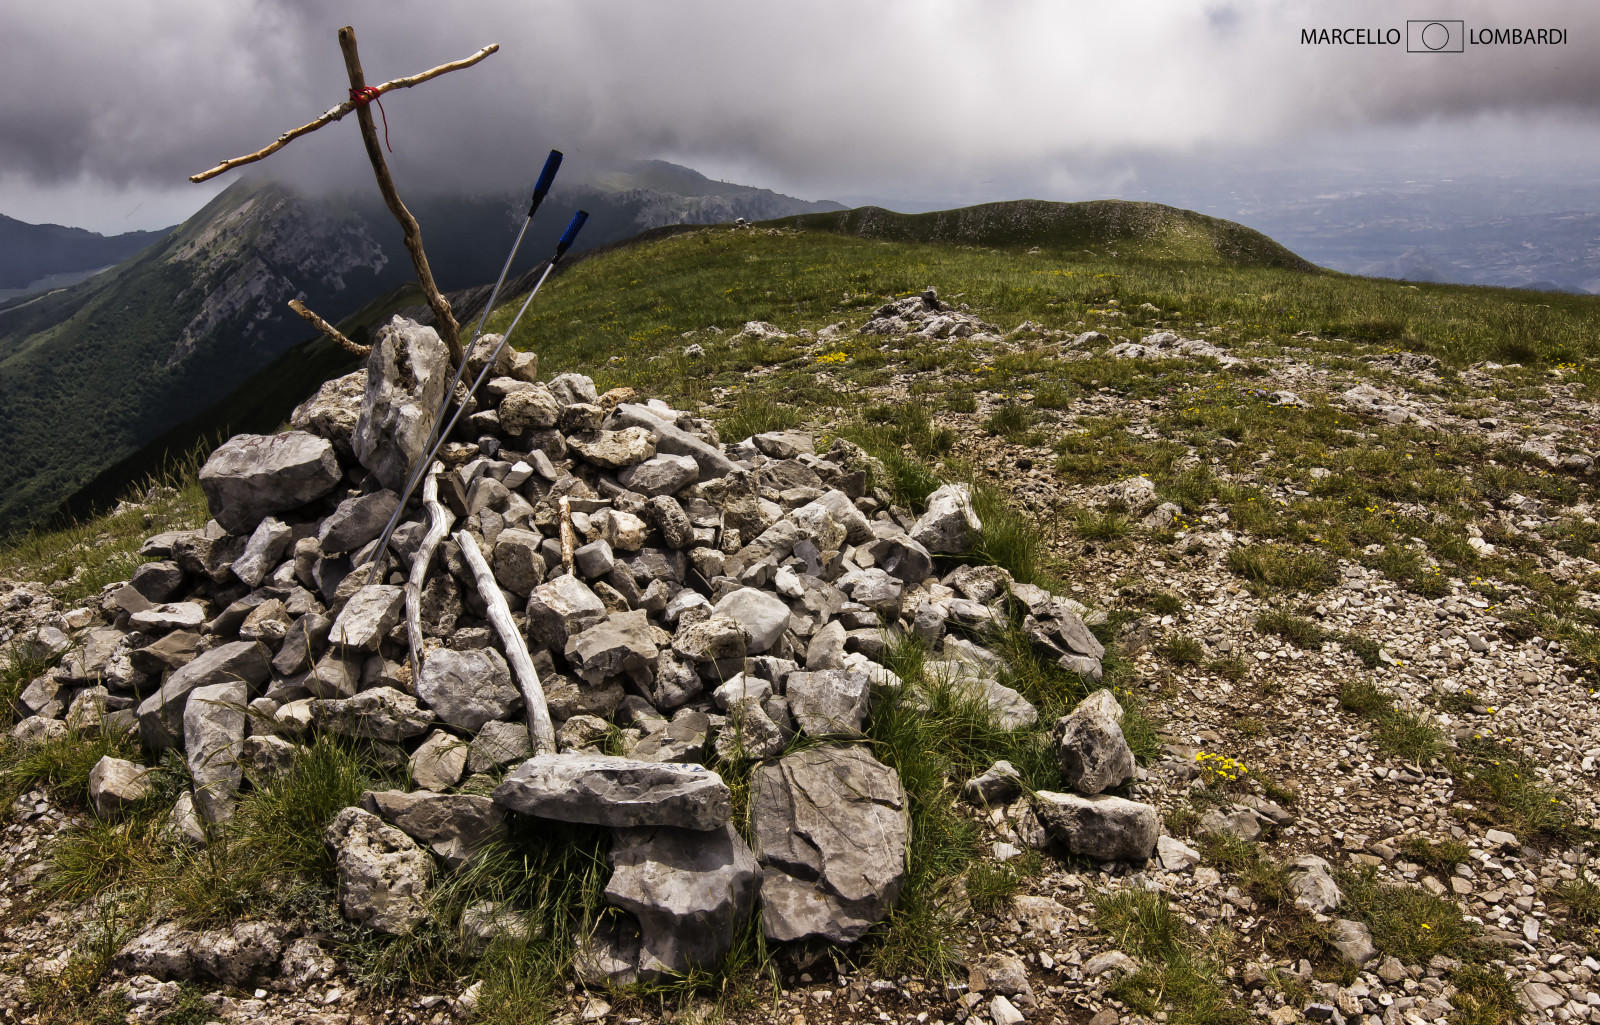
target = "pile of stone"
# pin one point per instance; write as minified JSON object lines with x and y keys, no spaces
{"x":625,"y":600}
{"x":1170,"y":345}
{"x":1379,"y":404}
{"x":926,"y":315}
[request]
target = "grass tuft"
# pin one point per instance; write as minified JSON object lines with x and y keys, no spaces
{"x":1397,"y":732}
{"x":1283,"y":567}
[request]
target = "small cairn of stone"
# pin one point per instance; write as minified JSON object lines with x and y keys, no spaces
{"x":575,"y":564}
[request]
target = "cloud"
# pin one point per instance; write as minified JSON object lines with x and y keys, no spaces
{"x":820,"y":96}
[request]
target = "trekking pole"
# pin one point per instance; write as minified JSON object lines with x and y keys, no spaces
{"x":567,"y":238}
{"x":541,"y":189}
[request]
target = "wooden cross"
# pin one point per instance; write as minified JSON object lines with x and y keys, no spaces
{"x":361,"y":97}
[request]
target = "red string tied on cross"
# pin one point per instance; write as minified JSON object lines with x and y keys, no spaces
{"x":365,"y":95}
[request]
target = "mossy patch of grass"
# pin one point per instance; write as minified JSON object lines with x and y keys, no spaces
{"x":1179,"y":972}
{"x":1098,"y":525}
{"x":1284,"y":568}
{"x":1183,"y":651}
{"x":1441,"y":855}
{"x":1497,"y":779}
{"x":1397,"y":732}
{"x":1406,"y":922}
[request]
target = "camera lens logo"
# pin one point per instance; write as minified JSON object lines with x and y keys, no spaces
{"x":1436,"y":36}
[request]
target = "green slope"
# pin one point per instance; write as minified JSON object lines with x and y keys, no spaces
{"x":619,"y":314}
{"x":1107,"y":227}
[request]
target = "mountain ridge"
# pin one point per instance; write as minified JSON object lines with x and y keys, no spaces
{"x":32,"y":252}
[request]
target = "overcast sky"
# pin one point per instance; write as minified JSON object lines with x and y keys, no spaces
{"x":106,"y":107}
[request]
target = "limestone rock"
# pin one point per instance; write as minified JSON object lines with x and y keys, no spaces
{"x":357,"y":521}
{"x":468,"y":689}
{"x":499,"y":743}
{"x":161,"y":714}
{"x":709,"y":640}
{"x":452,"y":825}
{"x":1102,"y":827}
{"x":561,"y":609}
{"x":251,"y":476}
{"x":116,"y":784}
{"x":383,"y":874}
{"x":438,"y":763}
{"x":1311,"y":879}
{"x":333,"y":411}
{"x":213,"y":732}
{"x":671,"y":439}
{"x":1090,"y":747}
{"x":761,"y":616}
{"x":691,"y":891}
{"x":608,"y":791}
{"x":381,"y":713}
{"x":831,"y":826}
{"x":997,"y":785}
{"x":829,"y":702}
{"x":614,"y":449}
{"x":621,"y":644}
{"x":368,"y":617}
{"x":664,"y":474}
{"x":408,"y":370}
{"x":951,"y":525}
{"x":262,"y":552}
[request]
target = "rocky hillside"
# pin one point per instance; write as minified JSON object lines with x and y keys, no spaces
{"x":1080,"y":641}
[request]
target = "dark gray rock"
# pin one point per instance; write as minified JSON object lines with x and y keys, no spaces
{"x":831,"y":826}
{"x":161,"y":714}
{"x":1102,"y":827}
{"x":1090,"y":748}
{"x":468,"y":689}
{"x":607,"y":791}
{"x":692,"y":891}
{"x":453,"y":826}
{"x":159,"y":581}
{"x":668,"y":517}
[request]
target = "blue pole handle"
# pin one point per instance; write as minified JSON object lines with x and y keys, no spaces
{"x":547,"y":177}
{"x":571,"y":233}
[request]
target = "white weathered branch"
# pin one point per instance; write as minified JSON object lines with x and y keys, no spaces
{"x":328,"y":329}
{"x":333,"y":114}
{"x":569,"y":537}
{"x":540,"y":729}
{"x":440,"y":518}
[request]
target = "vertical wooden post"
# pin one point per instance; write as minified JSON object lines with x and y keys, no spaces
{"x":448,"y":329}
